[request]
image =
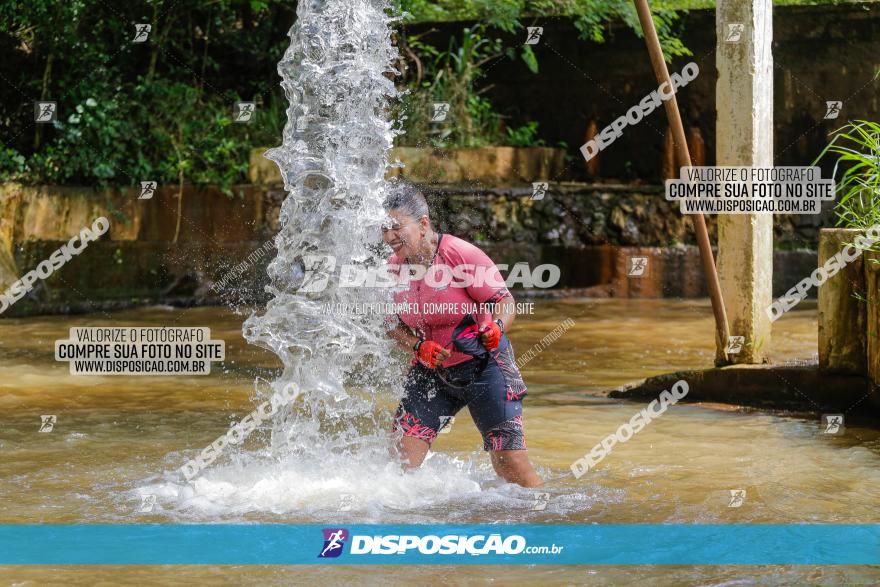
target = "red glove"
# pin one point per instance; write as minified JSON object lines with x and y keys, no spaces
{"x":426,"y":353}
{"x":490,"y":334}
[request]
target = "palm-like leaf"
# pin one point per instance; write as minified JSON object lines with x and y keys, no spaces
{"x":857,"y":147}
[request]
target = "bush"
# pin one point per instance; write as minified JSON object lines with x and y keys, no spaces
{"x":452,"y":76}
{"x":161,"y":110}
{"x":857,"y":146}
{"x":130,"y":112}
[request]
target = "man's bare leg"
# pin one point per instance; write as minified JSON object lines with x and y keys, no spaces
{"x":514,"y":467}
{"x":412,"y":452}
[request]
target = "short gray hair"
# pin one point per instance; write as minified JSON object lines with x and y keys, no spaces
{"x":408,"y":199}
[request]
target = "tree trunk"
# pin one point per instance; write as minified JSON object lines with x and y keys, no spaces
{"x":205,"y":53}
{"x":47,"y":76}
{"x":669,"y":170}
{"x":593,"y":164}
{"x":180,"y":179}
{"x":179,"y":204}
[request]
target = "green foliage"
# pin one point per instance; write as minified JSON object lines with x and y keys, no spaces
{"x":452,"y":75}
{"x":161,"y":110}
{"x":857,"y":146}
{"x":129,"y":112}
{"x":506,"y":12}
{"x":196,"y":137}
{"x":449,"y":75}
{"x":591,"y":17}
{"x":524,"y":136}
{"x":88,"y":143}
{"x":13,"y":164}
{"x":486,"y":123}
{"x":529,"y":58}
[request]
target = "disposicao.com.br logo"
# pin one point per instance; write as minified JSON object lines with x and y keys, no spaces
{"x":393,"y":544}
{"x":316,"y":272}
{"x":334,"y":540}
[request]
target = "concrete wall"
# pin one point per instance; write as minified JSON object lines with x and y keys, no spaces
{"x":820,"y":53}
{"x":137,"y":260}
{"x":589,"y":231}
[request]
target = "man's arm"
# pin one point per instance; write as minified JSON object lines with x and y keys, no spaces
{"x":505,"y":310}
{"x":404,"y":338}
{"x":432,"y":355}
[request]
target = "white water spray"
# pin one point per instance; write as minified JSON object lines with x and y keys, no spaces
{"x":329,"y":446}
{"x":336,"y":75}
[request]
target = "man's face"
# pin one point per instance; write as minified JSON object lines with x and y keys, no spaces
{"x":402,"y":233}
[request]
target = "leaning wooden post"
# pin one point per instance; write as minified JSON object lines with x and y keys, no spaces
{"x":722,"y":332}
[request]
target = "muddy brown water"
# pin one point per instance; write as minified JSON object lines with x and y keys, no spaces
{"x":115,"y":435}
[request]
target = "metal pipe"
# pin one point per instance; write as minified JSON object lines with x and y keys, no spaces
{"x":683,"y":156}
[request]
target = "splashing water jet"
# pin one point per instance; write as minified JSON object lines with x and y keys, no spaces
{"x":333,"y":161}
{"x":331,"y":440}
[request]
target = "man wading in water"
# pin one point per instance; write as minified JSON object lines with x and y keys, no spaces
{"x":443,"y":379}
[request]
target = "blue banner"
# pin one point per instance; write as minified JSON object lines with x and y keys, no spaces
{"x":282,"y":544}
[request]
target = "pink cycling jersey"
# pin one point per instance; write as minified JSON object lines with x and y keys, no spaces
{"x":436,"y":303}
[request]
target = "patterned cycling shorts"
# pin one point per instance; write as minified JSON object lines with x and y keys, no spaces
{"x":491,"y":390}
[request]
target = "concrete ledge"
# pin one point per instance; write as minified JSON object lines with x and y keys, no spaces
{"x":801,"y":388}
{"x":491,"y":165}
{"x":588,"y":230}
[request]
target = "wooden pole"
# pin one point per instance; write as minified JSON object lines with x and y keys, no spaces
{"x":722,"y":329}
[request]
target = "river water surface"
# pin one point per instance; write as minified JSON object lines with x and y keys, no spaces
{"x":118,"y":439}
